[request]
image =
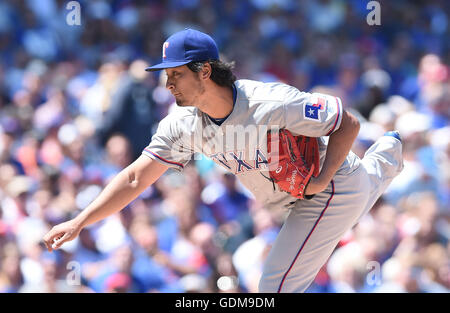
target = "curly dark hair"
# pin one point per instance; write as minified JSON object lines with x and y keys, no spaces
{"x":221,"y":73}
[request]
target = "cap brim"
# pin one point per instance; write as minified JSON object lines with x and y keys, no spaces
{"x":165,"y":65}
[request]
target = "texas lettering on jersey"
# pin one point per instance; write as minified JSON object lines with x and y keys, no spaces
{"x":235,"y":163}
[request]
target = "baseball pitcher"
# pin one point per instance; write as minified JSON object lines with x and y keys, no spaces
{"x":291,"y":149}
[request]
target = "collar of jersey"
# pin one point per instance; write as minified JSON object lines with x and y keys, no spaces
{"x":222,"y":120}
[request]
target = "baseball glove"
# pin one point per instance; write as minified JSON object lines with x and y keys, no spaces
{"x":295,"y":163}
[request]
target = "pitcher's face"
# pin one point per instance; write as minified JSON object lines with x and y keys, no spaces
{"x":185,"y":85}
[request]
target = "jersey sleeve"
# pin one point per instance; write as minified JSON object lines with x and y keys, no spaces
{"x":312,"y":114}
{"x":170,"y":145}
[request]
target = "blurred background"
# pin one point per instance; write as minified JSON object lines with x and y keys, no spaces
{"x":76,"y":106}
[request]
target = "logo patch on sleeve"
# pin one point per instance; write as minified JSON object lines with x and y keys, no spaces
{"x":313,"y":107}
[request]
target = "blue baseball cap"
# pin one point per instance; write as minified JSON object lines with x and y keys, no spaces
{"x":186,"y":46}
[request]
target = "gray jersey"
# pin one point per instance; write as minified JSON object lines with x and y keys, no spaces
{"x":240,"y":144}
{"x":313,"y":227}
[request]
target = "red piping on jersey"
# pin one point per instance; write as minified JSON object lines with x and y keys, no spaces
{"x":309,"y":235}
{"x":337,"y":118}
{"x":162,"y":159}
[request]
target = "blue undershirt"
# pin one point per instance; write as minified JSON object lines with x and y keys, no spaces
{"x":219,"y":121}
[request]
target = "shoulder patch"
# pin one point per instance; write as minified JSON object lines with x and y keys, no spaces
{"x":314,"y":105}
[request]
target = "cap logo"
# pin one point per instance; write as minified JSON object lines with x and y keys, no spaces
{"x":165,"y":46}
{"x":183,"y":47}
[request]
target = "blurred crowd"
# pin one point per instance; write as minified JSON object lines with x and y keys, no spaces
{"x":76,"y":107}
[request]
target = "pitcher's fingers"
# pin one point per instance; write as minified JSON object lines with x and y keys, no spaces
{"x":49,"y":248}
{"x":44,"y":245}
{"x":48,"y":239}
{"x":59,"y":241}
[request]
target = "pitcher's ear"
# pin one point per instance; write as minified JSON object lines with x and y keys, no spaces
{"x":206,"y":70}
